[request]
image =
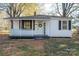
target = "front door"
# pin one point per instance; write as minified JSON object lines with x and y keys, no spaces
{"x":39,"y":28}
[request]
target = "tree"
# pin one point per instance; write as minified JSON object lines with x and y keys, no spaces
{"x":67,"y":9}
{"x":14,"y":10}
{"x":30,"y":8}
{"x":18,"y":9}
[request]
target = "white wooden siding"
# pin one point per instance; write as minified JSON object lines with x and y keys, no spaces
{"x":53,"y":30}
{"x":15,"y":24}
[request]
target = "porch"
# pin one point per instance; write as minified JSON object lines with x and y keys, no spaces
{"x":28,"y":29}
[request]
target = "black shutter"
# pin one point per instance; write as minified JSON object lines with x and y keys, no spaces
{"x":69,"y":25}
{"x":59,"y":25}
{"x":11,"y":24}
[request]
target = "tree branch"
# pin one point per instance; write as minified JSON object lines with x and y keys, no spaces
{"x":58,"y":9}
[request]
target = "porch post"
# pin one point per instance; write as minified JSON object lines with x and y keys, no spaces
{"x":44,"y":28}
{"x":20,"y":24}
{"x":11,"y":24}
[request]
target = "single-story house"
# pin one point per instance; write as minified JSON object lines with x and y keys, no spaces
{"x":41,"y":25}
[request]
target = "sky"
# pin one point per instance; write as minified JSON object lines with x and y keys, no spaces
{"x":47,"y":8}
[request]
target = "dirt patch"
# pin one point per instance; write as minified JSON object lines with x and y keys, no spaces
{"x":38,"y":44}
{"x":12,"y":43}
{"x":4,"y":37}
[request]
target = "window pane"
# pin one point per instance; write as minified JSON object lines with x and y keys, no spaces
{"x":27,"y":25}
{"x":64,"y":25}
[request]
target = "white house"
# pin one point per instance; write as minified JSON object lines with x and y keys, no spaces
{"x":40,"y":25}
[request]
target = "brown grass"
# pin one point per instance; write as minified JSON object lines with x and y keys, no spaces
{"x":26,"y":47}
{"x":9,"y":47}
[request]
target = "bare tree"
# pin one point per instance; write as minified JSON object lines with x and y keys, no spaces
{"x":18,"y":9}
{"x":67,"y":9}
{"x":15,"y":9}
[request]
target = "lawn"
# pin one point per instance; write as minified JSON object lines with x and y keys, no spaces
{"x":31,"y":47}
{"x":45,"y":47}
{"x":62,"y":47}
{"x":22,"y":47}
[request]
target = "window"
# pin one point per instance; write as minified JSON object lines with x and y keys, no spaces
{"x":64,"y":25}
{"x":27,"y":24}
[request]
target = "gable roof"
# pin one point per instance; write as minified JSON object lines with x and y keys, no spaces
{"x":36,"y":17}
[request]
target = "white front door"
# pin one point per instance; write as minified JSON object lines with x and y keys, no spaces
{"x":39,"y":28}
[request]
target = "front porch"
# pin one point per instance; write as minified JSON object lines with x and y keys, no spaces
{"x":28,"y":29}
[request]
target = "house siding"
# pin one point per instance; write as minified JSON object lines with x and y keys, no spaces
{"x":15,"y":24}
{"x":54,"y":31}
